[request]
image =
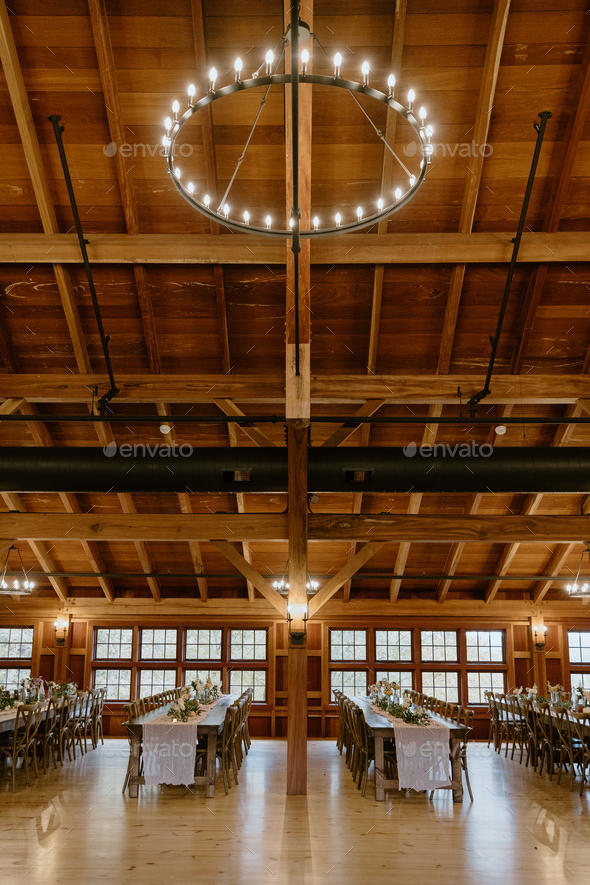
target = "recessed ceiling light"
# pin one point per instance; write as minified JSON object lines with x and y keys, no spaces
{"x":165,"y":428}
{"x":500,"y":429}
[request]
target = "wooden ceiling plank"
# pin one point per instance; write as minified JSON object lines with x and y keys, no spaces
{"x":90,"y":548}
{"x":474,"y":172}
{"x":205,"y":116}
{"x":7,"y":351}
{"x":578,"y":111}
{"x":456,"y":550}
{"x":10,"y":406}
{"x":345,"y":573}
{"x":143,"y":553}
{"x":531,"y":505}
{"x":5,"y":545}
{"x":244,"y":567}
{"x":222,"y":318}
{"x":195,"y":549}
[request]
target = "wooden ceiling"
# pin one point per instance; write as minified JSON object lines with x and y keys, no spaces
{"x":399,"y":315}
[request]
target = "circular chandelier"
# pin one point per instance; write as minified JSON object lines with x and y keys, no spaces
{"x":282,"y":586}
{"x":298,"y":75}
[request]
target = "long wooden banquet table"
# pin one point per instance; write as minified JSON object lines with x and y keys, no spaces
{"x":380,"y":728}
{"x":8,"y":717}
{"x":211,"y":725}
{"x":549,"y":717}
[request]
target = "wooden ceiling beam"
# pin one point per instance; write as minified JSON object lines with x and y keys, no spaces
{"x":91,"y":548}
{"x":553,"y":567}
{"x":255,"y":433}
{"x":473,"y":173}
{"x":346,"y":430}
{"x":247,"y":249}
{"x":261,"y":584}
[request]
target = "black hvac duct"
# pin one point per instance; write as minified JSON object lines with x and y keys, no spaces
{"x":462,"y":468}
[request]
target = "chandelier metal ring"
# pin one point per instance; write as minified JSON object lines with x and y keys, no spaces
{"x":320,"y":80}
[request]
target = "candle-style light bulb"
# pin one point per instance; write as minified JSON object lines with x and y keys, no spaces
{"x":380,"y":204}
{"x":398,"y":194}
{"x":238,"y":69}
{"x":191,"y":187}
{"x":429,"y":132}
{"x":206,"y":200}
{"x":226,"y":210}
{"x":422,"y":114}
{"x":291,"y":223}
{"x":175,"y":109}
{"x":191,"y":95}
{"x":304,"y":60}
{"x":412,"y":180}
{"x":365,"y":69}
{"x":168,"y":124}
{"x":316,"y":223}
{"x":212,"y":79}
{"x":338,"y":219}
{"x":411,"y":98}
{"x":269,"y":60}
{"x":177,"y":172}
{"x":391,"y":84}
{"x":165,"y":141}
{"x":359,"y":213}
{"x":268,"y":220}
{"x":337,"y":63}
{"x":246,"y":217}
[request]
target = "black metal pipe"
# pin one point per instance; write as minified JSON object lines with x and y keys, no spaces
{"x":247,"y":420}
{"x":478,"y":397}
{"x":164,"y":469}
{"x":114,"y":391}
{"x":295,"y":209}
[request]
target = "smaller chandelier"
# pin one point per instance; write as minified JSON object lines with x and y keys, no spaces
{"x":576,"y":590}
{"x":282,"y":586}
{"x":21,"y":588}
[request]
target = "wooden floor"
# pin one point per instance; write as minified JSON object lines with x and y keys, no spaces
{"x":74,"y":826}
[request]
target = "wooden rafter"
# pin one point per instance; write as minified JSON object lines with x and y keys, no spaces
{"x":345,"y":573}
{"x":261,"y":584}
{"x":346,"y":430}
{"x":255,"y":433}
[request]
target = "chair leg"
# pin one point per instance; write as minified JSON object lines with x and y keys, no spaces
{"x":466,"y":770}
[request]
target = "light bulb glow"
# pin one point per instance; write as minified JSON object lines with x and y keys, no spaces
{"x":191,"y":94}
{"x":411,"y":97}
{"x":412,"y":180}
{"x":238,"y":68}
{"x":391,"y":84}
{"x":291,"y":223}
{"x":191,"y":187}
{"x":175,"y":107}
{"x":206,"y":200}
{"x":359,"y":213}
{"x":226,"y":210}
{"x":365,"y":69}
{"x":165,"y":141}
{"x":177,"y":172}
{"x":380,"y":204}
{"x":212,"y":79}
{"x":246,"y":217}
{"x":269,"y":61}
{"x":422,"y":114}
{"x":429,"y":132}
{"x":398,"y":193}
{"x":337,"y":63}
{"x":338,"y":219}
{"x":316,"y":223}
{"x":268,"y":220}
{"x":168,"y":124}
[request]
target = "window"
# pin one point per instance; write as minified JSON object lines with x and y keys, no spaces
{"x":579,"y":644}
{"x":403,"y":678}
{"x":156,"y":681}
{"x":485,"y":645}
{"x":202,"y":676}
{"x":11,"y":677}
{"x":248,"y":645}
{"x":444,"y":686}
{"x":159,"y":645}
{"x":439,"y":645}
{"x":582,"y":679}
{"x":113,"y":644}
{"x":16,"y":642}
{"x":203,"y":645}
{"x":348,"y":645}
{"x":117,"y":683}
{"x":479,"y":683}
{"x":393,"y":645}
{"x":349,"y":682}
{"x":240,"y":680}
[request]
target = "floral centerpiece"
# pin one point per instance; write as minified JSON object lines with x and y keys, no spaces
{"x":61,"y":689}
{"x":403,"y":711}
{"x":384,"y":690}
{"x":206,"y":693}
{"x":185,"y":708}
{"x":32,"y":690}
{"x":7,"y":702}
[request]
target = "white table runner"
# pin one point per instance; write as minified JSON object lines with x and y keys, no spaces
{"x":422,"y":752}
{"x":169,"y":749}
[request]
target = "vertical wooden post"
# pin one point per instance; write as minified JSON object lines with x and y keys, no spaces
{"x":539,"y":663}
{"x":297,"y":412}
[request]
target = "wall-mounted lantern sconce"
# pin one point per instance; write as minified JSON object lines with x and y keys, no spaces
{"x":60,"y":628}
{"x":297,"y":621}
{"x":540,"y":643}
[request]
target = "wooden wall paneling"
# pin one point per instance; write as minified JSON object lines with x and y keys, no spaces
{"x":509,"y":650}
